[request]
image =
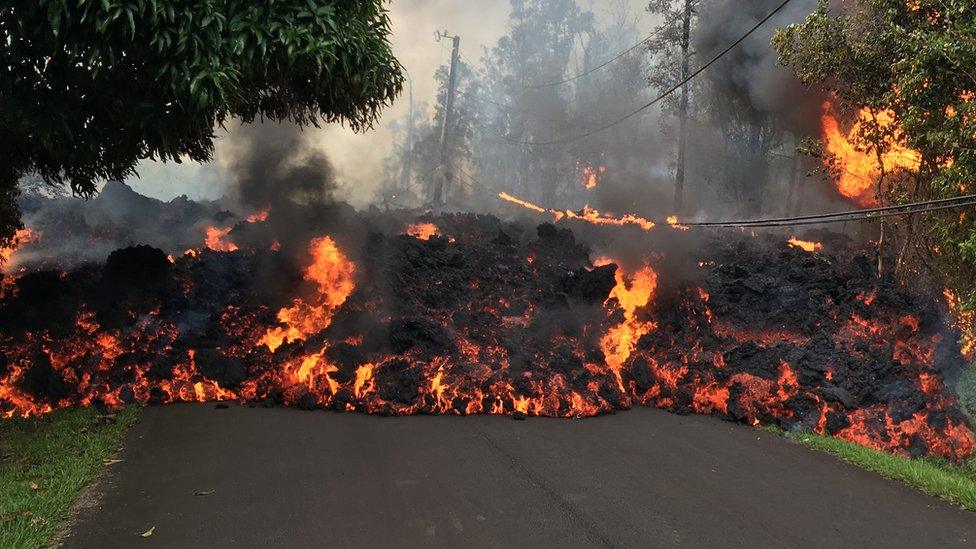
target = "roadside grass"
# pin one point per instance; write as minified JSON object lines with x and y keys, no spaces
{"x":951,"y":482}
{"x":44,"y":462}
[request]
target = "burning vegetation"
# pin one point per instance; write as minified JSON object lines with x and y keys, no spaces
{"x":465,"y":314}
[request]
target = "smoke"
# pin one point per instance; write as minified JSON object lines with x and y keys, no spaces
{"x":272,"y":163}
{"x":750,"y":75}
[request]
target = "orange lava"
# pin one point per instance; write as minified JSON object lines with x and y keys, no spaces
{"x":332,"y":273}
{"x":22,"y":238}
{"x":631,"y":297}
{"x":805,"y":245}
{"x":259,"y":217}
{"x":216,"y":240}
{"x":423,"y":231}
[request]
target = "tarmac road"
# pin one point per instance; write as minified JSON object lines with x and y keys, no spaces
{"x":643,"y":478}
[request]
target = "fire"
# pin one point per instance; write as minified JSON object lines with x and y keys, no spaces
{"x":332,"y":273}
{"x":805,"y":245}
{"x":587,"y":214}
{"x":519,"y":202}
{"x":22,"y":238}
{"x":631,"y":297}
{"x":259,"y":217}
{"x":965,"y":320}
{"x":591,"y":176}
{"x":525,"y":328}
{"x":859,"y":167}
{"x":423,"y":231}
{"x":215,"y":240}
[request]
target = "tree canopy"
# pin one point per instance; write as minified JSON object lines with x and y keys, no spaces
{"x":917,"y":60}
{"x":91,"y":87}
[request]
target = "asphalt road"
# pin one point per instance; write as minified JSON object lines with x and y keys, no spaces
{"x":644,"y":478}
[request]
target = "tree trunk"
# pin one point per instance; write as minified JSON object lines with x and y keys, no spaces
{"x":679,"y":174}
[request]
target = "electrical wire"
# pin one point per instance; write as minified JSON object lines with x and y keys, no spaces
{"x":862,"y":212}
{"x":661,"y":97}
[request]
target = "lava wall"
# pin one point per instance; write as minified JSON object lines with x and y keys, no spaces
{"x":464,"y":314}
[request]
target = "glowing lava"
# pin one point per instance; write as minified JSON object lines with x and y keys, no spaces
{"x":22,"y":238}
{"x":805,"y":245}
{"x":423,"y":231}
{"x":332,"y":273}
{"x":215,"y":240}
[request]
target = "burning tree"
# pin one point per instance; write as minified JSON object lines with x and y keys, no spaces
{"x":91,"y":88}
{"x":903,"y":71}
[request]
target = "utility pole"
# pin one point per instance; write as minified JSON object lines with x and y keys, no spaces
{"x":446,"y":178}
{"x":407,"y":162}
{"x":679,"y":175}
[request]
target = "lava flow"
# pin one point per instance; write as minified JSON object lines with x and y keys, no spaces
{"x":497,"y":319}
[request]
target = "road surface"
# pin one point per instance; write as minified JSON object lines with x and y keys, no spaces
{"x":643,"y":478}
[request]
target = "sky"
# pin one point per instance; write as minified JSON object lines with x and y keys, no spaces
{"x":358,"y":157}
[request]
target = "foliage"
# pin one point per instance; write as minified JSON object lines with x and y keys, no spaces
{"x":45,"y":462}
{"x":917,"y":59}
{"x":953,"y":483}
{"x":90,"y":87}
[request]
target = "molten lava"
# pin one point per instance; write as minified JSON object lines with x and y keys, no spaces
{"x":805,"y":245}
{"x":22,"y":238}
{"x":216,"y":240}
{"x":423,"y":231}
{"x":858,"y":165}
{"x":588,"y":215}
{"x":495,"y":320}
{"x":332,"y":273}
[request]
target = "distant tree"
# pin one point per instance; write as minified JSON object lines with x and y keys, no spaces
{"x":535,"y":51}
{"x":88,"y":88}
{"x":918,"y":60}
{"x":672,"y":44}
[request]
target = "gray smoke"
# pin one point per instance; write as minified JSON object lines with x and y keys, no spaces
{"x":275,"y":162}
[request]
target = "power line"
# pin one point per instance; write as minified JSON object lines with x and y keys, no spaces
{"x":870,"y":217}
{"x":573,"y":78}
{"x":866,"y":211}
{"x":659,"y":98}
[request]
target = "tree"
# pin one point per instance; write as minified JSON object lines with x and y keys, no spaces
{"x":916,"y":60}
{"x":535,"y":52}
{"x":672,"y":42}
{"x":90,"y":87}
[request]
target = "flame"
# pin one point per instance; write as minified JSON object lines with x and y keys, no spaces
{"x":259,"y":217}
{"x":423,"y":231}
{"x":859,"y":168}
{"x":22,"y":237}
{"x":587,"y":214}
{"x":332,"y":272}
{"x":965,"y":320}
{"x":519,"y":202}
{"x":805,"y":245}
{"x":631,"y":297}
{"x":215,"y":240}
{"x":591,"y":176}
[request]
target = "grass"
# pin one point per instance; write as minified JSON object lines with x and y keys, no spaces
{"x":45,"y":462}
{"x":953,"y":483}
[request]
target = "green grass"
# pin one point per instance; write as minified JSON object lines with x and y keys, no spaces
{"x":45,"y":462}
{"x":954,"y":483}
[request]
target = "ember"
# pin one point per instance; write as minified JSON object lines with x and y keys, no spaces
{"x":497,"y":320}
